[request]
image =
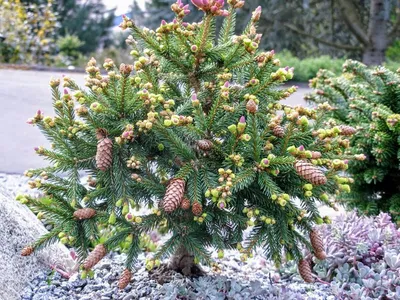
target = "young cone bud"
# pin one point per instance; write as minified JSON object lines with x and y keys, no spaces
{"x":205,"y":145}
{"x":174,"y":194}
{"x":104,"y":150}
{"x":347,"y":130}
{"x":185,"y":204}
{"x":124,"y":279}
{"x":197,"y":209}
{"x":310,"y":173}
{"x":305,"y":271}
{"x":317,"y":244}
{"x":278,"y":131}
{"x":95,"y":256}
{"x":315,"y":154}
{"x":28,"y":250}
{"x":84,"y":213}
{"x":251,"y":107}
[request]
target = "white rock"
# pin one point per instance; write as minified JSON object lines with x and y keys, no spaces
{"x":20,"y":227}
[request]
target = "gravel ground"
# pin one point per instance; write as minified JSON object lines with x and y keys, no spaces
{"x":235,"y":280}
{"x":230,"y":279}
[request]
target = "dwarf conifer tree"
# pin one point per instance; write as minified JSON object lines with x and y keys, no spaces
{"x":368,"y":100}
{"x":194,"y":130}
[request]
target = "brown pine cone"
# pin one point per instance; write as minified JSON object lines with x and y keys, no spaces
{"x":101,"y":133}
{"x":104,"y":154}
{"x":320,"y":255}
{"x":310,"y":173}
{"x":197,"y":208}
{"x":251,"y":106}
{"x":124,"y":279}
{"x":104,"y":150}
{"x":317,"y":244}
{"x":28,"y":250}
{"x":347,"y":130}
{"x":305,"y":271}
{"x":205,"y":145}
{"x":84,"y":213}
{"x":278,"y":131}
{"x":185,"y":204}
{"x":95,"y":256}
{"x":174,"y":194}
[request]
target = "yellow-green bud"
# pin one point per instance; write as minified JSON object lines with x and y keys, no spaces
{"x":119,"y":203}
{"x":304,"y":121}
{"x":324,"y":197}
{"x":125,"y":209}
{"x":150,"y":265}
{"x":167,"y":123}
{"x":308,"y":194}
{"x":129,"y":238}
{"x":282,"y":202}
{"x":345,"y":188}
{"x":232,"y":129}
{"x":64,"y":240}
{"x":214,"y":193}
{"x":292,"y":150}
{"x":112,"y":219}
{"x":84,"y":274}
{"x":308,"y":187}
{"x":245,"y":137}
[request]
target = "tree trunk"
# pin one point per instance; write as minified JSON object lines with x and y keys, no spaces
{"x":183,"y":262}
{"x":374,"y":53}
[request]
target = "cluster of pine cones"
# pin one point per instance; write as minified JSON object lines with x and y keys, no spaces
{"x":174,"y":198}
{"x":304,"y":264}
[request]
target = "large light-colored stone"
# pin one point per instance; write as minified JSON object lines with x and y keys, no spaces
{"x":18,"y":228}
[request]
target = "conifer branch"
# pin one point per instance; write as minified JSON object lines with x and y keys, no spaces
{"x":205,"y":33}
{"x":228,"y":26}
{"x":122,"y":96}
{"x":47,"y":239}
{"x":213,"y":111}
{"x":287,"y":138}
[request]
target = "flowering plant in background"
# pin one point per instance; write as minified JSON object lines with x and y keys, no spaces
{"x":28,"y":31}
{"x":194,"y":131}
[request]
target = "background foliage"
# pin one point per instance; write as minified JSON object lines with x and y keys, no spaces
{"x":368,"y":99}
{"x":28,"y":32}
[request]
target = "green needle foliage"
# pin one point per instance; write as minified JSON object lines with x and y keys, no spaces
{"x":197,"y":111}
{"x":368,"y":99}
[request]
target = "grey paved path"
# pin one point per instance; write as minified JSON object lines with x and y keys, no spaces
{"x":22,"y":93}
